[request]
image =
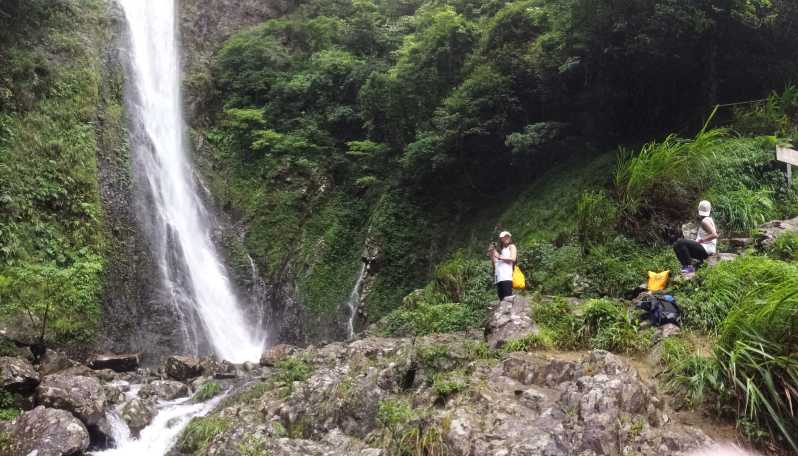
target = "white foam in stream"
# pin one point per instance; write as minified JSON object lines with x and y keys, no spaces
{"x":157,"y":438}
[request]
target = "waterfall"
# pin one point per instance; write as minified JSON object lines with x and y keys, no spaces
{"x":354,"y":302}
{"x":195,"y":280}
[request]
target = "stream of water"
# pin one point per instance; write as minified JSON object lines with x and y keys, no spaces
{"x":194,"y":276}
{"x":354,"y":302}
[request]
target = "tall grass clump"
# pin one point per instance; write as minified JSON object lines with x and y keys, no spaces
{"x":744,"y":209}
{"x":785,"y":247}
{"x":608,"y":325}
{"x":665,"y":166}
{"x":753,"y":375}
{"x":721,"y":288}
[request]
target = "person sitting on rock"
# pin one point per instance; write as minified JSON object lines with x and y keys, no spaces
{"x":693,"y":253}
{"x":503,"y":262}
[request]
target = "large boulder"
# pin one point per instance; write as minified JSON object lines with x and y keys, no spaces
{"x":48,"y":432}
{"x":138,"y":413}
{"x":167,"y":390}
{"x":275,"y":354}
{"x":769,"y":231}
{"x":17,"y":375}
{"x":83,"y":396}
{"x":509,"y":319}
{"x":183,"y":367}
{"x":53,"y":362}
{"x":117,"y":363}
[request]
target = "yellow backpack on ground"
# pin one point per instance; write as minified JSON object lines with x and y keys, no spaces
{"x":519,"y":281}
{"x":656,"y":280}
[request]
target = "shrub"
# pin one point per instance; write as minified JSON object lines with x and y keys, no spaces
{"x":777,"y":116}
{"x":446,"y":384}
{"x":550,"y":268}
{"x":559,"y":324}
{"x":596,"y":216}
{"x":293,"y":370}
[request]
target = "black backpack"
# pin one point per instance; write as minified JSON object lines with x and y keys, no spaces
{"x":661,"y":309}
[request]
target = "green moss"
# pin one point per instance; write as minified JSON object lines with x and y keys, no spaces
{"x":51,"y":234}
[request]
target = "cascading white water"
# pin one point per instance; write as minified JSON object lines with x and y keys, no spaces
{"x":159,"y":436}
{"x":195,"y":279}
{"x":354,"y":302}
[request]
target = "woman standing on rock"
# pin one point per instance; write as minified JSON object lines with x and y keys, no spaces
{"x":705,"y":244}
{"x":503,"y":262}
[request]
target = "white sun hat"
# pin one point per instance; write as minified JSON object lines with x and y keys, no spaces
{"x":704,"y":208}
{"x":505,"y":233}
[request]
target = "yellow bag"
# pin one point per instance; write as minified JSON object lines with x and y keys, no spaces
{"x":657,"y":280}
{"x":519,"y":281}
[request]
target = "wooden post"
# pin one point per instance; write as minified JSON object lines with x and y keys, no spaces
{"x":790,"y":157}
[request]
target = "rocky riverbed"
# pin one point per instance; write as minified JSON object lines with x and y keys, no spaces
{"x":452,"y":394}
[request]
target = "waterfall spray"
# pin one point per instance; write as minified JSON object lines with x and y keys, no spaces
{"x":193,"y":274}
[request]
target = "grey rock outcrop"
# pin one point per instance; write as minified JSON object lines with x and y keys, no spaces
{"x":138,"y":413}
{"x":183,"y":367}
{"x":275,"y":354}
{"x":52,"y":362}
{"x":84,"y":397}
{"x":769,"y":231}
{"x":166,"y":390}
{"x":48,"y":432}
{"x":509,"y":319}
{"x":527,"y":404}
{"x":17,"y":375}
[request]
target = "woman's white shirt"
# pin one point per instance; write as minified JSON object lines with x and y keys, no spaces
{"x":504,"y":270}
{"x":711,"y":246}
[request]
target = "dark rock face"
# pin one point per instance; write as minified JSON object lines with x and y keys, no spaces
{"x":83,"y":396}
{"x":183,"y":367}
{"x":135,"y":316}
{"x":509,"y":319}
{"x":48,"y":432}
{"x":17,"y":375}
{"x":117,"y":363}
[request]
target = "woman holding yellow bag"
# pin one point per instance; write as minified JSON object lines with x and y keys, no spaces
{"x":503,"y":263}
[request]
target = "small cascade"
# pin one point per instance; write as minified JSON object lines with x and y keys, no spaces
{"x":159,"y":437}
{"x":354,"y":301}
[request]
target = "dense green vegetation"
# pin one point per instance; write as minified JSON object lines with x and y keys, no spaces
{"x":419,"y":124}
{"x":51,"y":235}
